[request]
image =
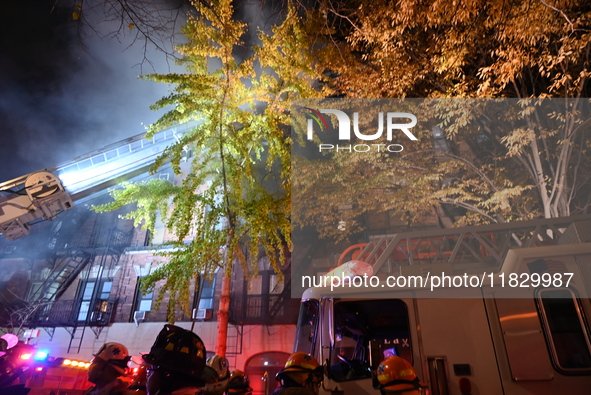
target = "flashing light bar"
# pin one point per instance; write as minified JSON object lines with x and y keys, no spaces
{"x":41,"y":355}
{"x":26,"y":356}
{"x":76,"y":364}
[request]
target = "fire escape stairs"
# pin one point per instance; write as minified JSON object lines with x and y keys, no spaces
{"x":64,"y":273}
{"x":234,"y":343}
{"x":76,"y":337}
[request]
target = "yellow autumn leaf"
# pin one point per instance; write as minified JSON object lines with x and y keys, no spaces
{"x":75,"y":15}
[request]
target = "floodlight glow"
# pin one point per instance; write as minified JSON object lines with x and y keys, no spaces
{"x":80,"y":180}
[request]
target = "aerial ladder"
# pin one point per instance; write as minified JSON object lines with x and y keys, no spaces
{"x":42,"y":195}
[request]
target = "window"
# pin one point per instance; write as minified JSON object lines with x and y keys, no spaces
{"x":86,"y":292}
{"x":307,"y":324}
{"x":142,"y":302}
{"x":35,"y":291}
{"x":566,"y":330}
{"x":255,"y":285}
{"x":367,"y":332}
{"x":205,"y":294}
{"x":439,"y":141}
{"x":263,"y":299}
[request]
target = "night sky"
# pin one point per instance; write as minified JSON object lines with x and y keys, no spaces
{"x":61,"y":95}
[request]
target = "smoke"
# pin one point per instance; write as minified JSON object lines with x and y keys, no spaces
{"x":66,"y":92}
{"x":62,"y":95}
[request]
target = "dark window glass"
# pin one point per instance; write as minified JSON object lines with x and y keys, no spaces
{"x":86,"y":293}
{"x":566,"y":331}
{"x":307,"y":324}
{"x":367,"y":332}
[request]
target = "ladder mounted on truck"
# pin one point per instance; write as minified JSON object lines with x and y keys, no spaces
{"x":37,"y":196}
{"x":42,"y":195}
{"x":463,"y":249}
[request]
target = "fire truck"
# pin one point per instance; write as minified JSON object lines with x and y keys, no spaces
{"x":57,"y":376}
{"x":486,"y":310}
{"x":24,"y":369}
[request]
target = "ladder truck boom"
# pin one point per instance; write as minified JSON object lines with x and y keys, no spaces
{"x":42,"y":195}
{"x":26,"y":200}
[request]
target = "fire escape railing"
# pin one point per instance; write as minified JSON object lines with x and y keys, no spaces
{"x":266,"y":308}
{"x":65,"y":313}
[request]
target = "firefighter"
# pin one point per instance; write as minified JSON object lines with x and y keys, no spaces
{"x":301,"y":375}
{"x":239,"y":384}
{"x":216,"y":375}
{"x":175,"y":363}
{"x":107,"y":370}
{"x":397,"y":376}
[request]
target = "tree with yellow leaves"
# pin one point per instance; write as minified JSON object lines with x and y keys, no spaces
{"x":522,"y":50}
{"x":236,"y":195}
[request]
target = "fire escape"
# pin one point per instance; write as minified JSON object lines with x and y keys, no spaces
{"x":85,"y":255}
{"x":78,"y":246}
{"x":264,"y":300}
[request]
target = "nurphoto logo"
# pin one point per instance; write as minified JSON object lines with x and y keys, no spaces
{"x":397,"y":124}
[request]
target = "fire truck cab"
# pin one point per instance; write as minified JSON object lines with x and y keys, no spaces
{"x":519,"y":327}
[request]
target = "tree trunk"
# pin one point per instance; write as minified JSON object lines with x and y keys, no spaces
{"x":223,"y":315}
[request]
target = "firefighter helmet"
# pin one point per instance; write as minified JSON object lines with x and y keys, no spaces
{"x":220,"y":365}
{"x":216,"y":375}
{"x":300,"y":362}
{"x":239,"y":383}
{"x":178,"y":350}
{"x":397,"y":374}
{"x":116,"y":354}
